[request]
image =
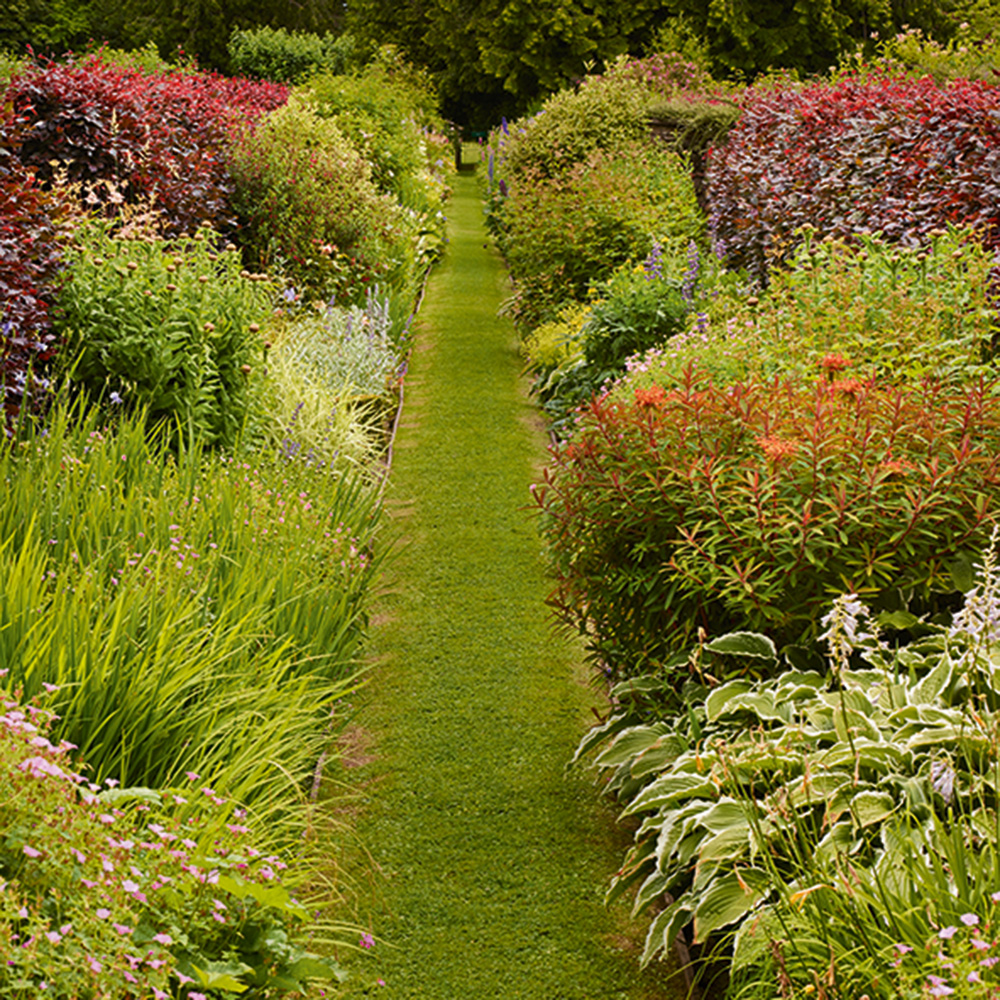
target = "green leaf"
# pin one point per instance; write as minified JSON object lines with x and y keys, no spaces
{"x":314,"y":967}
{"x":668,"y":789}
{"x":868,"y":808}
{"x":665,"y":928}
{"x":223,"y":976}
{"x":729,"y":844}
{"x":632,"y":742}
{"x":744,"y":644}
{"x":897,"y":619}
{"x":750,"y":944}
{"x":963,"y":573}
{"x":929,"y":688}
{"x":117,"y":796}
{"x":727,"y":900}
{"x":718,"y":700}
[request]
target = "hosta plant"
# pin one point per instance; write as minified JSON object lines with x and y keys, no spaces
{"x":824,"y":822}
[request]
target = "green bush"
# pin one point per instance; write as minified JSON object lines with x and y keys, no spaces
{"x":166,"y":327}
{"x":893,"y":313}
{"x":276,"y":54}
{"x":839,"y":822}
{"x":726,"y":507}
{"x":561,"y":236}
{"x":313,"y":211}
{"x":605,"y":113}
{"x":591,"y":344}
{"x":132,"y":892}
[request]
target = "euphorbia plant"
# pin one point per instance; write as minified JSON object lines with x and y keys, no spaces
{"x":727,"y":507}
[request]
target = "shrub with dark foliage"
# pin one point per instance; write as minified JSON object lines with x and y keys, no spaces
{"x":876,"y":153}
{"x":159,"y":138}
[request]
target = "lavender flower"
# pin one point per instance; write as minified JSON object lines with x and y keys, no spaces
{"x":943,"y":782}
{"x":653,"y":265}
{"x":690,"y":282}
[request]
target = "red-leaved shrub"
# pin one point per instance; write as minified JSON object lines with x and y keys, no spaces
{"x":881,"y":153}
{"x":749,"y":506}
{"x":149,"y":137}
{"x":32,"y":225}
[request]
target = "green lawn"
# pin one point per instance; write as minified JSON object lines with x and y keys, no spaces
{"x":492,"y":859}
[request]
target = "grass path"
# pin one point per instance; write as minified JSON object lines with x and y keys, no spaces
{"x":493,"y":859}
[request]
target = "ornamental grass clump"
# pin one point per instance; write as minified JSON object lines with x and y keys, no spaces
{"x":332,"y":383}
{"x":727,"y":507}
{"x":198,"y":612}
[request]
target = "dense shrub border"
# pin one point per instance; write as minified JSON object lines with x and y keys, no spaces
{"x":873,"y":153}
{"x":717,"y":508}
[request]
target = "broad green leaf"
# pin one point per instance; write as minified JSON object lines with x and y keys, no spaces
{"x":881,"y":757}
{"x":727,"y":900}
{"x":839,"y":839}
{"x":723,"y":815}
{"x":314,"y":967}
{"x":819,"y":786}
{"x":669,"y":788}
{"x":963,"y":573}
{"x":730,"y":844}
{"x":653,"y":887}
{"x":852,"y":724}
{"x":868,"y":807}
{"x":631,"y":742}
{"x":897,"y":619}
{"x":744,"y":644}
{"x":762,"y":704}
{"x":750,"y":944}
{"x":929,"y":689}
{"x":223,"y":976}
{"x":118,"y":796}
{"x":717,"y":702}
{"x":658,"y":757}
{"x":665,"y":928}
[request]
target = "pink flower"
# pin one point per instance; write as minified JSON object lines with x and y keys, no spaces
{"x":164,"y":939}
{"x":95,"y":966}
{"x":367,"y":941}
{"x":102,"y":913}
{"x":123,"y":929}
{"x":31,"y":852}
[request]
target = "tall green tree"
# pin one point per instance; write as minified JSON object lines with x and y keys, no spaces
{"x":501,"y":56}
